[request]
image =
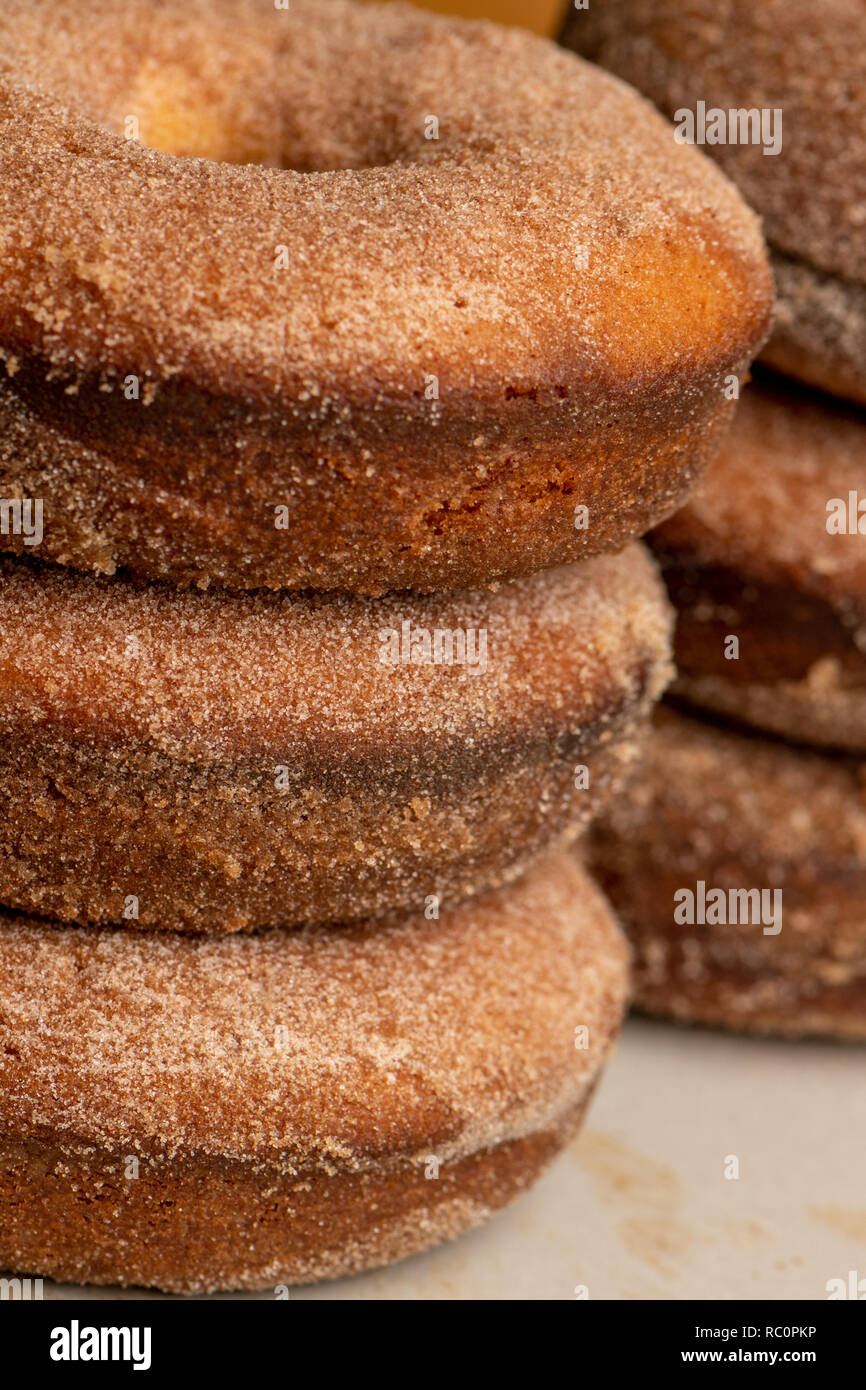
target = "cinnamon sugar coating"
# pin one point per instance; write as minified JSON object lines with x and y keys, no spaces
{"x":216,"y":761}
{"x":819,"y":331}
{"x":751,"y":555}
{"x":738,"y":811}
{"x":806,"y":61}
{"x":429,"y":351}
{"x":284,"y":1093}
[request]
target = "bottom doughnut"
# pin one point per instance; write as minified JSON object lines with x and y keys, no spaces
{"x":735,"y":811}
{"x":196,"y":1114}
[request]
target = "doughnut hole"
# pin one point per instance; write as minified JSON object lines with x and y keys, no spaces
{"x":232,"y":116}
{"x":175,"y":118}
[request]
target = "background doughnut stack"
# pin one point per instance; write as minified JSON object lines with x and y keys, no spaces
{"x":765,"y":564}
{"x":337,"y":634}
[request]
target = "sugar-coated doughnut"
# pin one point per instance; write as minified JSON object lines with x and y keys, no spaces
{"x":768,"y":551}
{"x":350,"y":297}
{"x":802,"y":65}
{"x":217,"y":1113}
{"x":738,"y":812}
{"x":819,"y":333}
{"x":218,"y":761}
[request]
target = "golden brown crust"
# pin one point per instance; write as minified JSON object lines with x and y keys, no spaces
{"x":737,"y":811}
{"x":315,"y":1077}
{"x":636,"y":282}
{"x":805,"y":61}
{"x":750,"y":555}
{"x":240,"y":760}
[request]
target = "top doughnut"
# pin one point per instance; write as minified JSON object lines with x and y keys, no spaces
{"x":349,"y":297}
{"x":802,"y":64}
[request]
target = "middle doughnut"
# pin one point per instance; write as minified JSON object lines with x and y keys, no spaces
{"x":217,"y":762}
{"x":768,"y":550}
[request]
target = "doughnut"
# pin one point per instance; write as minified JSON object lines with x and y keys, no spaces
{"x":806,"y":62}
{"x":463,"y":314}
{"x":336,"y":1099}
{"x":735,"y":811}
{"x":219,"y":761}
{"x":819,"y":334}
{"x":751,"y":556}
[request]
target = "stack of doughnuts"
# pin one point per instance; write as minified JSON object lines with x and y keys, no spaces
{"x":756,"y":780}
{"x":330,"y":415}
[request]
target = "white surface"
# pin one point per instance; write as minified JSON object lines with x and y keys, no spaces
{"x":639,"y":1207}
